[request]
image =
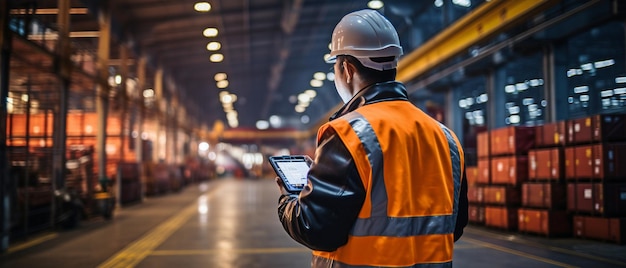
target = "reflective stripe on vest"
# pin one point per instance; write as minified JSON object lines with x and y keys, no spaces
{"x":379,"y":224}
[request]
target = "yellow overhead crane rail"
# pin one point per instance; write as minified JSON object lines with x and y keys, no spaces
{"x":477,"y":26}
{"x":484,"y":22}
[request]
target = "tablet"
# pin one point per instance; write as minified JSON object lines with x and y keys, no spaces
{"x":292,"y":170}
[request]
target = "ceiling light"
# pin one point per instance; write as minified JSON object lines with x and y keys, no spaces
{"x":300,"y":109}
{"x":217,"y":57}
{"x":227,"y":98}
{"x":228,"y":107}
{"x":319,"y":76}
{"x":213,"y":46}
{"x":311,"y":93}
{"x":375,"y":4}
{"x":210,"y":32}
{"x":276,"y":121}
{"x":220,"y":76}
{"x":202,"y":6}
{"x":262,"y":124}
{"x":222,"y":84}
{"x":303,"y":98}
{"x":330,"y":46}
{"x":326,"y":56}
{"x":232,"y":115}
{"x":316,"y":83}
{"x":463,"y":3}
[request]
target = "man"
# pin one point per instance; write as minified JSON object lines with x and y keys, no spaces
{"x":387,"y":186}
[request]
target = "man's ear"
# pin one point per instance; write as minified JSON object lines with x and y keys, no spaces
{"x":349,"y":69}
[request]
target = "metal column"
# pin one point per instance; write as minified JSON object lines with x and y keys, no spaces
{"x":102,"y":93}
{"x":63,"y":70}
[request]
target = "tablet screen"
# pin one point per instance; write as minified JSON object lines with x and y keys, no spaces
{"x":295,"y":171}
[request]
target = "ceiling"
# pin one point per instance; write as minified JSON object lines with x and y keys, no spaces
{"x":271,"y":49}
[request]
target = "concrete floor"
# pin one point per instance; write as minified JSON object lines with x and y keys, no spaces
{"x":233,"y":223}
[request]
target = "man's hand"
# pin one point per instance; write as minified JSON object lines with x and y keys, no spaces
{"x":281,"y":187}
{"x":308,"y":160}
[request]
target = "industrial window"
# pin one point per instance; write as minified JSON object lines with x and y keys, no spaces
{"x":589,"y":72}
{"x":519,"y":91}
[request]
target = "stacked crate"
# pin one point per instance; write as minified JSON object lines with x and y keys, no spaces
{"x":595,"y":170}
{"x":508,"y":169}
{"x":477,"y":178}
{"x":543,"y":195}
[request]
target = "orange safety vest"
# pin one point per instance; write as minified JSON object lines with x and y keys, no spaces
{"x":411,"y":168}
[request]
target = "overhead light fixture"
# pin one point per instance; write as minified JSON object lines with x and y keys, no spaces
{"x":319,"y":76}
{"x":311,"y":93}
{"x":330,"y":76}
{"x":222,"y":84}
{"x":375,"y":4}
{"x":303,"y":97}
{"x":213,"y":46}
{"x":227,"y":98}
{"x":262,"y":124}
{"x":220,"y":76}
{"x":463,"y":3}
{"x":217,"y":57}
{"x":202,"y":7}
{"x":316,"y":83}
{"x":276,"y":121}
{"x":210,"y":32}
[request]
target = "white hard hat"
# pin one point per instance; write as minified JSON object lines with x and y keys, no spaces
{"x":366,"y":34}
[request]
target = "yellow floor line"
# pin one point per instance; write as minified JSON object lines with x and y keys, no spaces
{"x":516,"y":252}
{"x":236,"y":251}
{"x":138,"y":250}
{"x":31,"y":243}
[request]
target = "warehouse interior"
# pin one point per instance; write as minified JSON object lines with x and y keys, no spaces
{"x":111,"y":103}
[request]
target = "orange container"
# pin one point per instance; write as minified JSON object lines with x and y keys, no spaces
{"x":544,"y":195}
{"x":475,"y":194}
{"x":545,"y":164}
{"x":501,"y":217}
{"x":501,"y":195}
{"x":546,"y":222}
{"x":511,"y":140}
{"x":550,"y":135}
{"x":601,"y":228}
{"x":476,"y":214}
{"x":482,"y":144}
{"x":484,"y":166}
{"x":509,"y":170}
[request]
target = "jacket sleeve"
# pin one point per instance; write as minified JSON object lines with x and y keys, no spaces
{"x":462,"y":214}
{"x":321,"y":217}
